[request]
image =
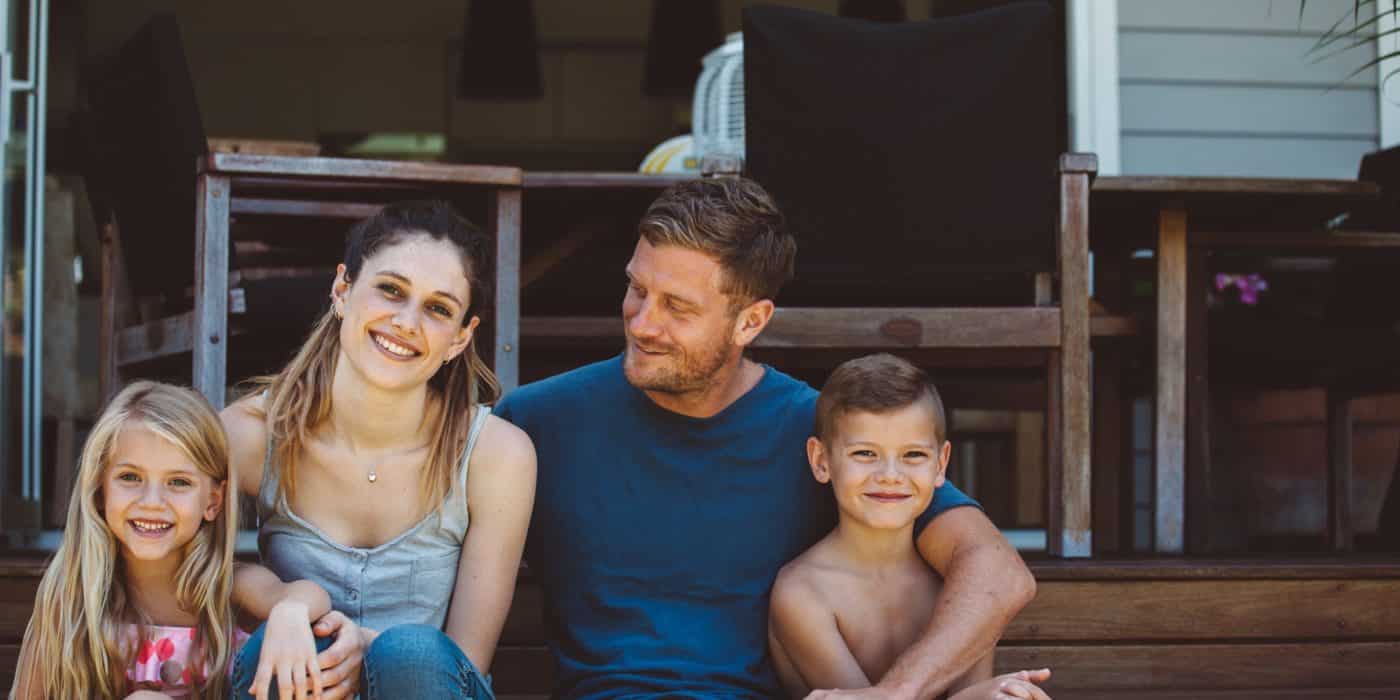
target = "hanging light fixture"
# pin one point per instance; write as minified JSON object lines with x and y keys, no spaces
{"x":873,"y":10}
{"x":500,"y":52}
{"x":682,"y":32}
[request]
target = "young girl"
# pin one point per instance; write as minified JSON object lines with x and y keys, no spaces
{"x":135,"y":603}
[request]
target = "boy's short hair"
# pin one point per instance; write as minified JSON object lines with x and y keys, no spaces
{"x":876,"y":384}
{"x":733,"y":220}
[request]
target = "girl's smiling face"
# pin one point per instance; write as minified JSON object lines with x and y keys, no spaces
{"x":154,"y":498}
{"x":404,"y":317}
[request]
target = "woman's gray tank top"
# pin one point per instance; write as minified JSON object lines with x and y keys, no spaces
{"x":408,"y":579}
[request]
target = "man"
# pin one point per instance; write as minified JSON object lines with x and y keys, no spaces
{"x":673,"y":481}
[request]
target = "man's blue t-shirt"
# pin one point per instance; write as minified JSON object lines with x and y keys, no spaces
{"x":656,"y":536}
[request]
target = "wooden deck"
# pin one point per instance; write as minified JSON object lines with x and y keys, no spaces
{"x":1160,"y":629}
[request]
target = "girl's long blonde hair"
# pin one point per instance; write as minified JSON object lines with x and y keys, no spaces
{"x":299,"y":397}
{"x":75,"y":637}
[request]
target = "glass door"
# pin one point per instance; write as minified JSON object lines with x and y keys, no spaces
{"x":23,"y":61}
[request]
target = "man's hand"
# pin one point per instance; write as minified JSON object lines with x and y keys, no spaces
{"x":288,"y":655}
{"x":1020,"y":685}
{"x":340,"y":662}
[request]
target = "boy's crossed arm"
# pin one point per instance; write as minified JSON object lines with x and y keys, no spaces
{"x":808,"y":649}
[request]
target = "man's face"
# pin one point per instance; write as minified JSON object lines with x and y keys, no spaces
{"x":679,"y":325}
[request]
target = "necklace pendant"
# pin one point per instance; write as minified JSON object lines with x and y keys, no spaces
{"x":373,"y":477}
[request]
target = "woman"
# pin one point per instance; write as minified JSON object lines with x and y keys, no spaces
{"x":382,"y":477}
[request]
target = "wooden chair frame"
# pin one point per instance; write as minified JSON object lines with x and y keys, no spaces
{"x":250,"y":185}
{"x":1062,"y":330}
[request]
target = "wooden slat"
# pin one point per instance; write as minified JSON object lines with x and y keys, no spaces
{"x":257,"y":206}
{"x":1209,"y":666}
{"x":159,"y":338}
{"x":209,"y":338}
{"x":899,"y":328}
{"x":505,"y":227}
{"x":267,"y":147}
{"x":1352,"y":568}
{"x":1234,"y":694}
{"x":16,"y":605}
{"x":1074,"y":538}
{"x":1297,"y":242}
{"x":154,"y":339}
{"x":610,"y":327}
{"x":9,"y":659}
{"x":1030,"y":479}
{"x":1110,"y":440}
{"x":602,"y":180}
{"x":1118,"y":668}
{"x":357,"y":169}
{"x":1339,"y":471}
{"x":1080,"y":163}
{"x":113,"y":290}
{"x":814,"y":328}
{"x":1182,"y":187}
{"x":1171,"y":381}
{"x":1200,"y":497}
{"x":1142,"y":611}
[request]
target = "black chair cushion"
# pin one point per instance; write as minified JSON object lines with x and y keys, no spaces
{"x":148,"y":139}
{"x":905,"y":146}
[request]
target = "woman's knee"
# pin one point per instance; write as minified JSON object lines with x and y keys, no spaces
{"x":402,"y":643}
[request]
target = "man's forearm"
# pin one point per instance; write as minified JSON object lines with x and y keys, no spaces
{"x":984,"y":589}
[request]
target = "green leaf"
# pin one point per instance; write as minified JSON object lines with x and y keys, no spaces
{"x":1359,"y":42}
{"x":1332,"y":36}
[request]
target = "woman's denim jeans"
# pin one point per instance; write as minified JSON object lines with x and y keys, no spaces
{"x":405,"y":661}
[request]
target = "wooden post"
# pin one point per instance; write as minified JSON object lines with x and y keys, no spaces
{"x":109,"y":323}
{"x":1200,"y":478}
{"x":211,"y":260}
{"x":506,"y":224}
{"x":1110,"y":427}
{"x":1339,"y":462}
{"x":1170,"y":432}
{"x":1071,"y":526}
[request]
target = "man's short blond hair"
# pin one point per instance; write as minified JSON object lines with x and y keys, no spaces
{"x":733,"y":220}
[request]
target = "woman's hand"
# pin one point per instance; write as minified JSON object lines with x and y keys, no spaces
{"x":1020,"y":685}
{"x":341,"y":660}
{"x":288,"y":654}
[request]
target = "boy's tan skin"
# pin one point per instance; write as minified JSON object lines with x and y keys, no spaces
{"x":845,"y":610}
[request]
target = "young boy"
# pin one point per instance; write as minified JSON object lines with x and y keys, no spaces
{"x":844,"y":610}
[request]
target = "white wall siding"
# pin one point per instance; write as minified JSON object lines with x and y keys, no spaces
{"x":1227,"y":88}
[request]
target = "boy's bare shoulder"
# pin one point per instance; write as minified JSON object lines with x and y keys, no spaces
{"x":810,"y":578}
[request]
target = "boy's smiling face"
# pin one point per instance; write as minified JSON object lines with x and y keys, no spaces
{"x":883,"y":467}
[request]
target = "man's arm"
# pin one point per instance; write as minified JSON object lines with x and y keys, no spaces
{"x":806,"y":645}
{"x":985,"y":585}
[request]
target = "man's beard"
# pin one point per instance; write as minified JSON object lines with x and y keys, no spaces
{"x":681,"y":372}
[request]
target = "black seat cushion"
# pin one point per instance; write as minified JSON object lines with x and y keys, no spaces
{"x":147,"y":141}
{"x":901,"y":152}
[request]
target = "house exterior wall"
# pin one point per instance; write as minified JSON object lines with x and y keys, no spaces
{"x":1229,"y":89}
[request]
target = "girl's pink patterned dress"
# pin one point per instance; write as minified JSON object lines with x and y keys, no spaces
{"x":162,"y":662}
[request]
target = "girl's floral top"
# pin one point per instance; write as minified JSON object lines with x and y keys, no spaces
{"x":162,"y":661}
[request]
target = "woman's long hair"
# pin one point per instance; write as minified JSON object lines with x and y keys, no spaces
{"x":75,"y":636}
{"x":299,"y":397}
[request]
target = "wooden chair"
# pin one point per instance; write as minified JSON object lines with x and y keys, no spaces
{"x":168,"y":205}
{"x":916,"y":163}
{"x":1317,"y":326}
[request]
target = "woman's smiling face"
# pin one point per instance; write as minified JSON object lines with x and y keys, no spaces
{"x":403,"y":317}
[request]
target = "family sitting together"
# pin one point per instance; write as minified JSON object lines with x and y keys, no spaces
{"x":675,"y":503}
